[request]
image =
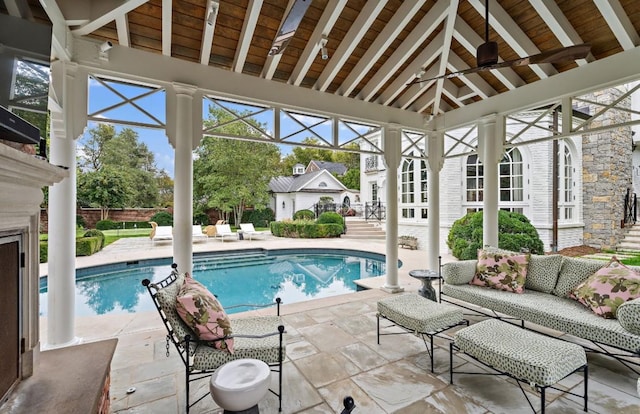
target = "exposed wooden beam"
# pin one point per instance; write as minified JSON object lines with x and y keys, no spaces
{"x":416,"y":90}
{"x":122,"y":26}
{"x":108,"y":16}
{"x":418,"y":35}
{"x":619,"y":23}
{"x":358,"y":29}
{"x":310,"y":52}
{"x":209,"y":25}
{"x":403,"y":15}
{"x":167,"y":24}
{"x":248,"y":27}
{"x":448,"y":35}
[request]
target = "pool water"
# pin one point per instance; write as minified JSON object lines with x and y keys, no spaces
{"x":241,"y":277}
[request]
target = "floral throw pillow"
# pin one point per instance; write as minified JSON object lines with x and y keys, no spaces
{"x":199,"y":309}
{"x":608,"y":288}
{"x":502,"y":271}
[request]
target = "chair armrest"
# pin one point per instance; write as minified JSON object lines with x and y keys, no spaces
{"x":459,"y":273}
{"x":628,"y":315}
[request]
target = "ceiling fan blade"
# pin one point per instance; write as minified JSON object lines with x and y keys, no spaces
{"x":564,"y":54}
{"x":289,"y":26}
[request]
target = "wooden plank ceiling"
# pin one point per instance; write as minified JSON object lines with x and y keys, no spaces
{"x":374,"y":47}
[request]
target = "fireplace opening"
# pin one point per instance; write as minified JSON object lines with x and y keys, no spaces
{"x":10,"y":309}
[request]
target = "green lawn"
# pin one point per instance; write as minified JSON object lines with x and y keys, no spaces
{"x":113,"y":235}
{"x":632,"y":261}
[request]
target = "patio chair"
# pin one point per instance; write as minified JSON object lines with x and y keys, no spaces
{"x":198,"y":234}
{"x":260,"y":337}
{"x":160,"y":233}
{"x":224,"y":230}
{"x":249,"y":231}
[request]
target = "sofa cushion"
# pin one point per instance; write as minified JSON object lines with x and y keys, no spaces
{"x":629,"y":316}
{"x":543,"y":271}
{"x":202,"y":312}
{"x":561,"y":314}
{"x":608,"y":288}
{"x":502,"y":271}
{"x":573,"y":272}
{"x":459,"y":273}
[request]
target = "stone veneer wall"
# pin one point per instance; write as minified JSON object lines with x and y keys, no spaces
{"x":606,"y":175}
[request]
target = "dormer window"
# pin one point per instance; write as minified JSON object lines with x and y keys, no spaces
{"x":298,"y":169}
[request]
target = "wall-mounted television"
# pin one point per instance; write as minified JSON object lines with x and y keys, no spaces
{"x":25,"y":54}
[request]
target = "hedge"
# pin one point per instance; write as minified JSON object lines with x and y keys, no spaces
{"x":259,"y":218}
{"x":44,"y":252}
{"x":98,"y":234}
{"x":306,"y":230}
{"x":304,"y":215}
{"x":86,"y":246}
{"x":115,"y":225}
{"x":330,"y":217}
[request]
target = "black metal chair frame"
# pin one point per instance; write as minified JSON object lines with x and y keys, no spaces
{"x":183,"y":345}
{"x":539,"y":388}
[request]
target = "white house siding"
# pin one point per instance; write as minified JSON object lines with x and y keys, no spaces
{"x":537,"y":198}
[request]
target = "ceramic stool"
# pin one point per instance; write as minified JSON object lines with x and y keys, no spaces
{"x":239,"y":385}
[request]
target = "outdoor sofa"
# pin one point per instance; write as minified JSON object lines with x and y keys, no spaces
{"x":545,"y":302}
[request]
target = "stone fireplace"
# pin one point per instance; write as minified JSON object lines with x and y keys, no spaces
{"x":22,"y":177}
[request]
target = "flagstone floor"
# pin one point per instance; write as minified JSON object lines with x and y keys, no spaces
{"x":331,"y":353}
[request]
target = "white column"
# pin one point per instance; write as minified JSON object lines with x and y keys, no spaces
{"x":68,"y":121}
{"x":490,"y":151}
{"x":435,"y":161}
{"x":183,"y":184}
{"x":392,"y":154}
{"x":62,"y":247}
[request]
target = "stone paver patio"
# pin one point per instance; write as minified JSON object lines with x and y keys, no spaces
{"x":332,"y":352}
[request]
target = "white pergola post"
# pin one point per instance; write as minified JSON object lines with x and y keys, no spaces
{"x":392,"y":154}
{"x":490,"y":150}
{"x":67,"y":124}
{"x":435,"y":162}
{"x":183,"y":184}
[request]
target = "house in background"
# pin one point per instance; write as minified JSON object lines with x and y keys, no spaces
{"x":336,"y":168}
{"x":303,"y":190}
{"x":593,"y":174}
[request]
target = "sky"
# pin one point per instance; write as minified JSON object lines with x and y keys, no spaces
{"x":144,"y":106}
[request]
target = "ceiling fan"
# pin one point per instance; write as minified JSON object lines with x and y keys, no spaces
{"x":487,"y":56}
{"x":289,"y":26}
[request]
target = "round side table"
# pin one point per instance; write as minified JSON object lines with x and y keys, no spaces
{"x":426,"y":276}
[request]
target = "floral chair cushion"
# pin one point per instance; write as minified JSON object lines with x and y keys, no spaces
{"x":608,"y":288}
{"x":502,"y":271}
{"x":202,"y":312}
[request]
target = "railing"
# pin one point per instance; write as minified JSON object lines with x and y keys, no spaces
{"x":630,"y":208}
{"x":374,"y":211}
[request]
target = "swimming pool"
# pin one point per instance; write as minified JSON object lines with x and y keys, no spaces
{"x":254,"y":276}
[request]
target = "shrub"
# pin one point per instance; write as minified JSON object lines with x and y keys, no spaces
{"x":200,"y":218}
{"x":98,"y":234}
{"x":106,"y":225}
{"x":44,"y":252}
{"x":304,"y":215}
{"x":162,"y":218}
{"x":330,"y":217}
{"x":515,"y":232}
{"x":304,"y":229}
{"x":80,"y":222}
{"x":259,"y":218}
{"x":86,"y":246}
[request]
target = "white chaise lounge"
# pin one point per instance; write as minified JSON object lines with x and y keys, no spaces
{"x":248,"y":231}
{"x":198,"y":234}
{"x":224,"y":231}
{"x":160,"y":233}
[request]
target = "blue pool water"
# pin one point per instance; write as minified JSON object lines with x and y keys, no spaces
{"x":238,"y":277}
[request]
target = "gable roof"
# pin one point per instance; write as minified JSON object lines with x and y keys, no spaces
{"x":333,"y":167}
{"x":298,"y":183}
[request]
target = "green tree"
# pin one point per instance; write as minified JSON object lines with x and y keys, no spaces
{"x":165,"y":189}
{"x":105,"y":188}
{"x":351,"y":179}
{"x":305,"y":155}
{"x":122,"y":151}
{"x":231,"y":174}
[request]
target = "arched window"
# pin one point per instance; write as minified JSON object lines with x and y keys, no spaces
{"x":511,"y":181}
{"x":407,"y":181}
{"x":322,"y":184}
{"x":566,"y":200}
{"x":407,"y":191}
{"x":424,"y":187}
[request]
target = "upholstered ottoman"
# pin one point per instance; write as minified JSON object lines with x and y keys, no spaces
{"x":524,"y":355}
{"x":420,"y":316}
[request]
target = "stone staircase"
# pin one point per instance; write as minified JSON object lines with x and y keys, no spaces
{"x":631,"y":241}
{"x":358,"y":228}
